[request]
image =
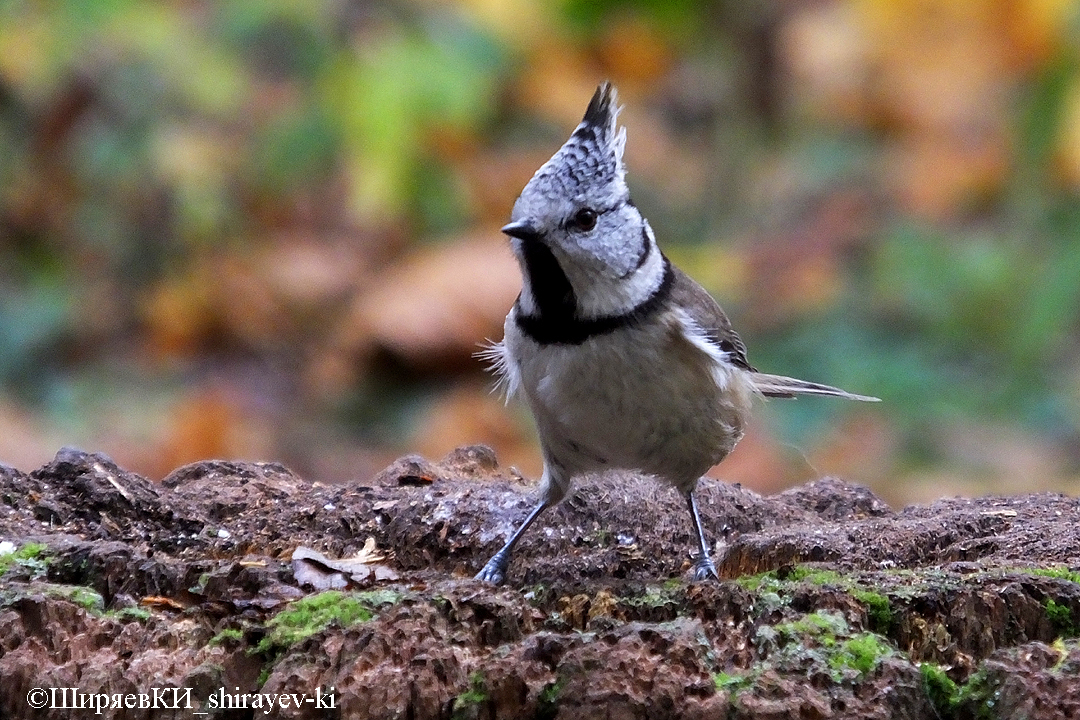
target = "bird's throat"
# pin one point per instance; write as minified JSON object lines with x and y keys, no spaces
{"x":554,"y":317}
{"x":552,"y":294}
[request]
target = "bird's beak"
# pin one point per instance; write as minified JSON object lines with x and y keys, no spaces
{"x":522,"y":230}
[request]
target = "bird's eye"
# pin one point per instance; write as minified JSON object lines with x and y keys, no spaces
{"x":584,"y":219}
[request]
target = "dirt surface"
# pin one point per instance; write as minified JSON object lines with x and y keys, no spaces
{"x":833,"y":604}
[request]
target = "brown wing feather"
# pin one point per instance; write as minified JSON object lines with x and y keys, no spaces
{"x":710,"y":317}
{"x":704,"y":310}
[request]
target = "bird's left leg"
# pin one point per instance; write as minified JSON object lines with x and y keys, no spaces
{"x":703,"y":565}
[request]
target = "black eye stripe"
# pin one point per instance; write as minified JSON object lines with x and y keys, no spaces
{"x":612,"y":208}
{"x":646,"y":247}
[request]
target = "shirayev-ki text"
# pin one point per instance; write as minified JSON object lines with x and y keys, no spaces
{"x":72,"y":698}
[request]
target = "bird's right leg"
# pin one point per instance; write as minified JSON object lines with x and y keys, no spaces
{"x":494,"y":571}
{"x":553,"y":486}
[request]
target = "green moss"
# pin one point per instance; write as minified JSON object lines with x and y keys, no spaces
{"x":86,"y":598}
{"x":977,"y":697}
{"x":305,"y":617}
{"x":878,"y":609}
{"x":755,"y":583}
{"x":942,"y":692}
{"x":467,"y":704}
{"x":227,"y":636}
{"x":30,"y":556}
{"x":1063,"y":654}
{"x":199,"y":587}
{"x":1065,"y":665}
{"x":547,"y":704}
{"x":821,"y":624}
{"x":815,"y":576}
{"x":1061,"y":573}
{"x":772,"y":592}
{"x":824,"y":638}
{"x":1061,"y":617}
{"x":128,"y":614}
{"x":733,"y":682}
{"x":654,"y":597}
{"x":861,"y":653}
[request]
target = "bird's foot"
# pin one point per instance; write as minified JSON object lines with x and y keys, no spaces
{"x":704,"y":569}
{"x":494,"y":571}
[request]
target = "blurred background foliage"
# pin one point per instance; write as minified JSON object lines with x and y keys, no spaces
{"x":269,"y":228}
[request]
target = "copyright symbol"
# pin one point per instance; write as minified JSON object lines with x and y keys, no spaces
{"x":37,"y":698}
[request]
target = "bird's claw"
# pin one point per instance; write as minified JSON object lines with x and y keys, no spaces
{"x":704,"y":569}
{"x":494,"y":571}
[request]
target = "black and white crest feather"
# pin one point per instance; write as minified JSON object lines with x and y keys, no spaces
{"x":593,"y":156}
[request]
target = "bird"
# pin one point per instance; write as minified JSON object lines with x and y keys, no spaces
{"x":623,"y":360}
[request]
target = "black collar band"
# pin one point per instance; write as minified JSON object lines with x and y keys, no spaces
{"x":565,"y":328}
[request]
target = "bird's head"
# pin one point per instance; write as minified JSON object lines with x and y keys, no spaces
{"x":575,"y":217}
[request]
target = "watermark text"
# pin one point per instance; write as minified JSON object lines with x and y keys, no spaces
{"x":70,"y":698}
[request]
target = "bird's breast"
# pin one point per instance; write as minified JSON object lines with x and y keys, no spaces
{"x":647,"y":397}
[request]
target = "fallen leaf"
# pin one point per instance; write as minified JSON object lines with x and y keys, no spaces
{"x":368,"y":554}
{"x":311,"y":567}
{"x":311,"y":573}
{"x":159,"y":601}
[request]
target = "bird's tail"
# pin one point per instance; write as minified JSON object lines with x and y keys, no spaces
{"x":785,"y":387}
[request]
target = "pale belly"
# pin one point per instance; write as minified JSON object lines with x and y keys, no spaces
{"x":647,"y":399}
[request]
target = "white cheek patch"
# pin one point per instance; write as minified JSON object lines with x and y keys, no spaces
{"x":601,"y":294}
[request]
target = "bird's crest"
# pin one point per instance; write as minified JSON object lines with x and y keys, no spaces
{"x":593,"y":156}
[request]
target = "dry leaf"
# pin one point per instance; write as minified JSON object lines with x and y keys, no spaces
{"x":368,"y":553}
{"x":311,"y":567}
{"x":159,"y":601}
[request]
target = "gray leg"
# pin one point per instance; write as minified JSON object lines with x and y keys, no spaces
{"x":495,"y":570}
{"x":703,"y":566}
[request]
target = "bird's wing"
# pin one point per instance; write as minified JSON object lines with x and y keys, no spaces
{"x":708,"y":315}
{"x":714,"y":324}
